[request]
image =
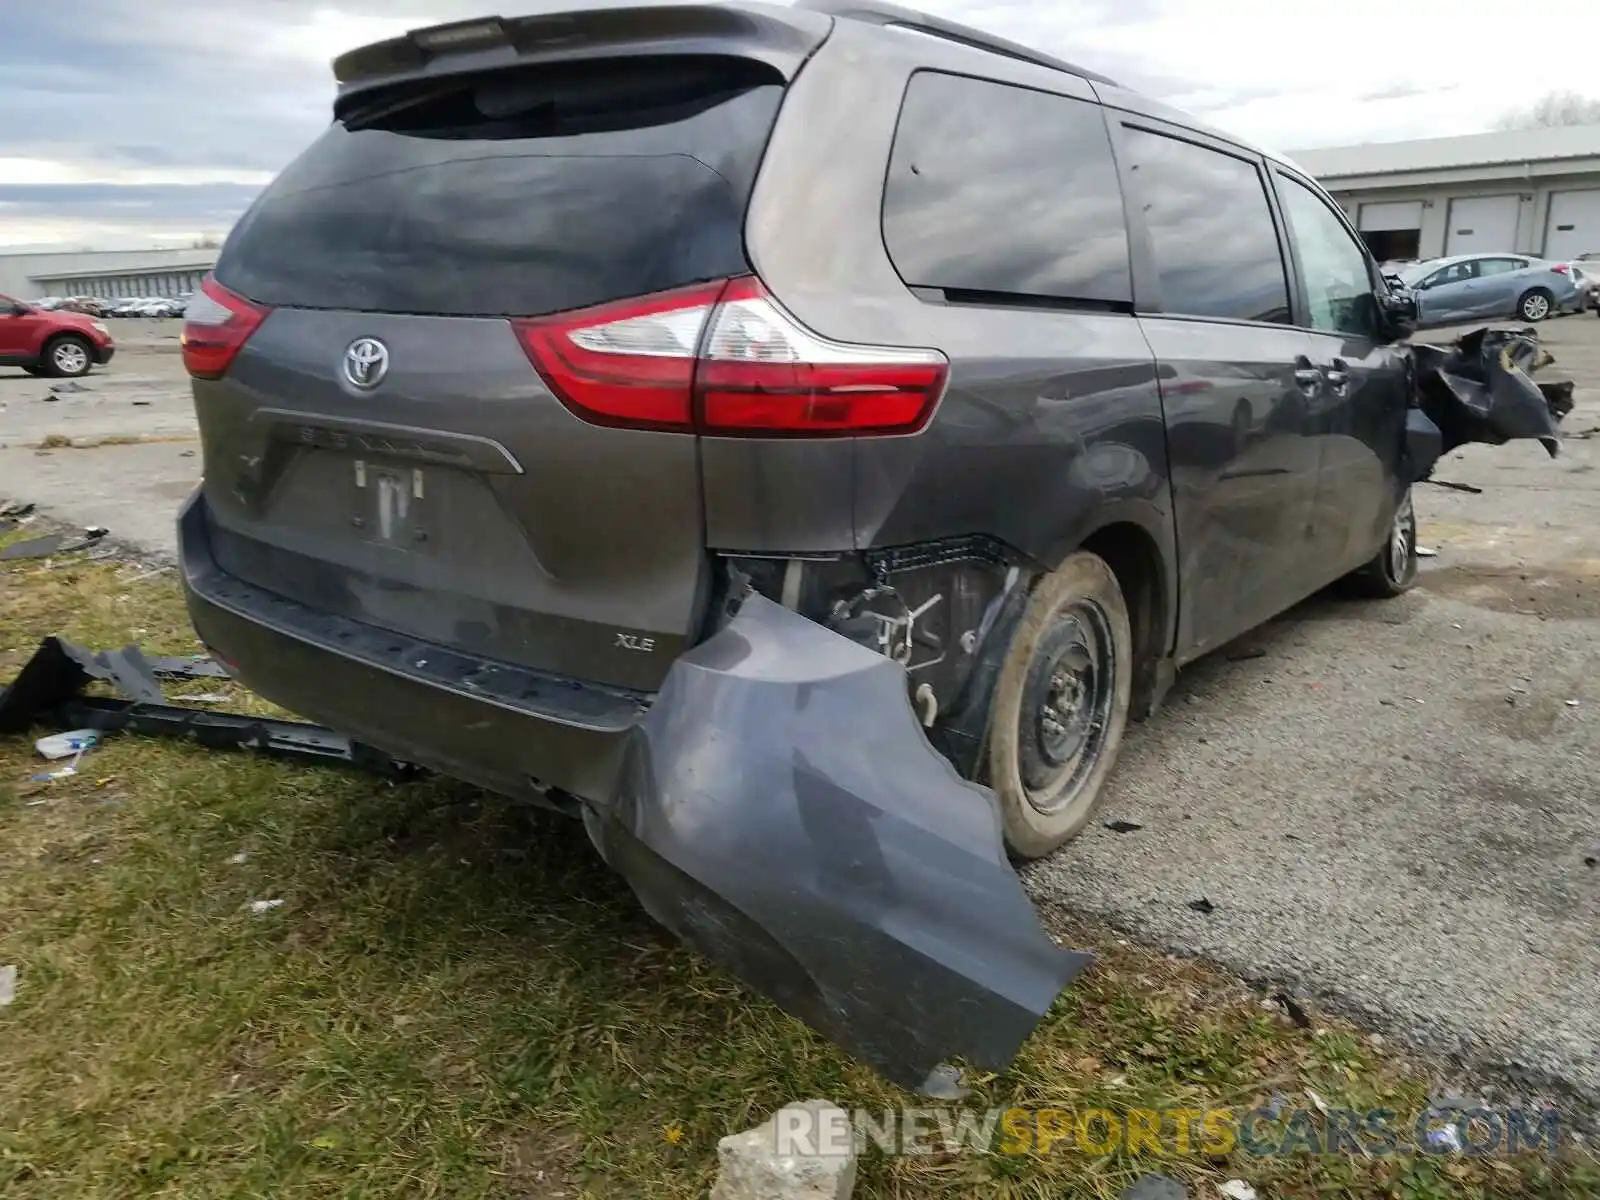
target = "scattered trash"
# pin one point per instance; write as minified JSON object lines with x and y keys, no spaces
{"x":1572,"y":704}
{"x":68,"y":387}
{"x":8,"y":984}
{"x":1124,"y":826}
{"x":63,"y":745}
{"x":1317,"y":1102}
{"x":14,"y":509}
{"x":1291,"y":1006}
{"x":141,"y":403}
{"x":264,"y":906}
{"x":1203,"y":905}
{"x":186,"y":454}
{"x":1247,"y":652}
{"x":756,"y":1165}
{"x":239,"y":859}
{"x":1155,"y":1187}
{"x":1236,"y":1189}
{"x":944,"y":1083}
{"x":1427,"y":552}
{"x":1592,"y":859}
{"x":1455,"y":487}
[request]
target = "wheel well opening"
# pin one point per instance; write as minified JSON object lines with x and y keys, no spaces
{"x":1132,"y":555}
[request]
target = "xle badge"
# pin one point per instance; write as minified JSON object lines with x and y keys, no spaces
{"x":632,"y":641}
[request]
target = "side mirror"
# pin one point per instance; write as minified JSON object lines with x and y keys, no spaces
{"x":1397,"y":309}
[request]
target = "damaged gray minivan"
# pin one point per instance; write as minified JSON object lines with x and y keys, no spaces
{"x":795,"y":440}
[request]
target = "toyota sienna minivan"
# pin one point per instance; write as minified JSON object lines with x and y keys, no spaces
{"x":608,"y":402}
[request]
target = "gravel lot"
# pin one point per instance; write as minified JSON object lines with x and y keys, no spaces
{"x":1391,"y":806}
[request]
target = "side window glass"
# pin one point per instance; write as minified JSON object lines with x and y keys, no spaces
{"x":1338,"y":284}
{"x":1211,"y":232}
{"x":1496,"y":266}
{"x":1001,"y":189}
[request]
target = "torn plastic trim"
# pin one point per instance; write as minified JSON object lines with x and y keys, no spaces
{"x":780,"y":809}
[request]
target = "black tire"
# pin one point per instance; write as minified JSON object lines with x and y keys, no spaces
{"x":1393,"y":570}
{"x":67,"y":356}
{"x":1535,"y":305}
{"x":1060,"y":706}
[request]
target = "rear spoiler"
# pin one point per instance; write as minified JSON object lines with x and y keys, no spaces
{"x":780,"y":37}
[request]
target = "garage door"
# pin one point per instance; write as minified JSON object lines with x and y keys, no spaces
{"x":1482,"y":225}
{"x":1574,"y":226}
{"x":1401,"y":214}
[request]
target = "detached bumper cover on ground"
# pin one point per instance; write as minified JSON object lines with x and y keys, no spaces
{"x":782,"y":812}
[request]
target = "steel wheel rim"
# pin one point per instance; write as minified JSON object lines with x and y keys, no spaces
{"x":1402,"y":540}
{"x":71,"y":357}
{"x":1536,"y":308}
{"x":1067,"y":706}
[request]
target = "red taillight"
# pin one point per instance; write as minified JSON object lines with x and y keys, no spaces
{"x":215,"y":325}
{"x":629,"y":363}
{"x":1560,"y":268}
{"x":725,"y":360}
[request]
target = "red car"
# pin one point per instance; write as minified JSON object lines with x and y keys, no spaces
{"x":51,"y":343}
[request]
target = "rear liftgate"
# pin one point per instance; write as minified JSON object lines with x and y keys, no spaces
{"x":782,"y":812}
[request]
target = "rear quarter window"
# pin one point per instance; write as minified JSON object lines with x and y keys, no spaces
{"x":1000,"y":189}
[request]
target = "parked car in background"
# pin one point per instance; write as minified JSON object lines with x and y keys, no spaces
{"x":1587,"y":276}
{"x":41,"y":342}
{"x":1470,"y":287}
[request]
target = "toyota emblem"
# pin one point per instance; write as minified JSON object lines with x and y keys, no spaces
{"x":366,"y":362}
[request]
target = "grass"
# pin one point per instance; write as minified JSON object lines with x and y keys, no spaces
{"x":457,"y":999}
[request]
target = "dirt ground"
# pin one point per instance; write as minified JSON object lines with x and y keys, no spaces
{"x":1392,"y":806}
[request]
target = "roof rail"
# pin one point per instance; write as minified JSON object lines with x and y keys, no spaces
{"x":879,"y":12}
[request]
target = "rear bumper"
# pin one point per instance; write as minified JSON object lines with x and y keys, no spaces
{"x":506,"y":729}
{"x":776,"y":805}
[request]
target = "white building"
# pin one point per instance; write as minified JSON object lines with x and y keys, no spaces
{"x":1534,"y":191}
{"x":106,"y":274}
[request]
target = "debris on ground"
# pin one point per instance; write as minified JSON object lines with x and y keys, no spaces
{"x":68,"y":387}
{"x":53,"y":543}
{"x":1480,"y":389}
{"x":1292,"y":1008}
{"x":1245,"y":653}
{"x":13,"y":508}
{"x":239,"y":859}
{"x":1124,"y":826}
{"x":1155,"y":1187}
{"x":1468,"y":488}
{"x":1236,"y":1189}
{"x":1427,"y":552}
{"x":8,"y":984}
{"x":50,"y":685}
{"x":760,"y":1164}
{"x":64,"y":745}
{"x":263,"y":906}
{"x":1203,"y":905}
{"x":198,"y":667}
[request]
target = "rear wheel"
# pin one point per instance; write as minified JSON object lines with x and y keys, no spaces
{"x":68,"y":357}
{"x":1534,"y":305}
{"x":1060,"y":706}
{"x":1393,"y":570}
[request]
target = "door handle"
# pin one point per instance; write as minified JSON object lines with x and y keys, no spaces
{"x":1309,"y":381}
{"x":1339,"y":378}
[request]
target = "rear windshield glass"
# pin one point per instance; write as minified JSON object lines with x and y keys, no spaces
{"x":516,"y":194}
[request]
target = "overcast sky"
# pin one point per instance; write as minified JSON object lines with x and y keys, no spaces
{"x":140,"y":122}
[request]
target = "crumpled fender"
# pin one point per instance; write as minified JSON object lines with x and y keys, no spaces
{"x":781,"y":811}
{"x":1480,"y":389}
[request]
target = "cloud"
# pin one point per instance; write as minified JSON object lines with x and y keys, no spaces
{"x":182,"y":94}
